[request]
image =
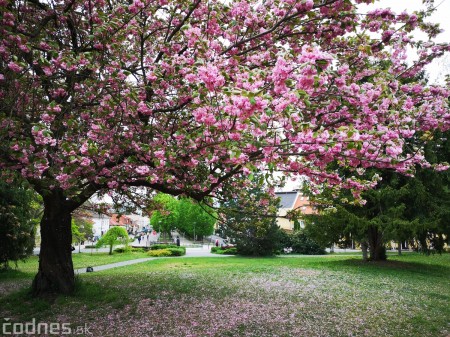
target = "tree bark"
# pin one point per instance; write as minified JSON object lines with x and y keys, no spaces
{"x":55,"y":274}
{"x":399,"y":248}
{"x":376,"y":245}
{"x":364,"y":251}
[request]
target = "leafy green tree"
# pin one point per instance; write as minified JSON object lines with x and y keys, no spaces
{"x":18,"y":208}
{"x":188,"y":216}
{"x":82,"y":230}
{"x":194,"y":219}
{"x":165,"y":217}
{"x":114,"y":236}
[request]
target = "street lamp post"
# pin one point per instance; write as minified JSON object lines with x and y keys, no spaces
{"x":159,"y":230}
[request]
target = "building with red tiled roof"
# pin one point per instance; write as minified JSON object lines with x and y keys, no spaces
{"x":122,"y":220}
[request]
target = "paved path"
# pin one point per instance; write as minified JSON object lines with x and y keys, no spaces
{"x":190,"y":252}
{"x":115,"y":265}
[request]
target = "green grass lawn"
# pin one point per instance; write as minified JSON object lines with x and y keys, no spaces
{"x":18,"y":278}
{"x":331,"y":295}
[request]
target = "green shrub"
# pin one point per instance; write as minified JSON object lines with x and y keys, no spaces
{"x":301,"y":243}
{"x":178,"y":251}
{"x":128,"y":250}
{"x":227,"y":251}
{"x":260,"y":237}
{"x":215,"y":249}
{"x":138,"y":250}
{"x":159,"y":253}
{"x":122,"y":250}
{"x":230,"y":251}
{"x":162,"y":246}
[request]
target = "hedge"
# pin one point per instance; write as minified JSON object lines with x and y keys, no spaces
{"x":226,"y":251}
{"x":159,"y":252}
{"x":171,"y":251}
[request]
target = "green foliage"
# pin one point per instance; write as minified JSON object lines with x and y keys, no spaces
{"x":194,"y":219}
{"x":260,"y":237}
{"x":400,"y":208}
{"x":250,"y":221}
{"x":122,"y":250}
{"x":159,"y":253}
{"x":137,"y":250}
{"x":229,"y":251}
{"x":162,"y":246}
{"x":82,"y":229}
{"x":17,"y":223}
{"x":224,"y":251}
{"x":188,"y":216}
{"x":115,"y":235}
{"x":76,"y":235}
{"x":178,"y":251}
{"x":328,"y":228}
{"x":301,"y":243}
{"x":174,"y":249}
{"x":128,"y":249}
{"x":165,"y":218}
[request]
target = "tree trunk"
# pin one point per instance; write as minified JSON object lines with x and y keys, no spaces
{"x":399,"y":248}
{"x":376,"y":245}
{"x":364,"y":251}
{"x":55,"y":274}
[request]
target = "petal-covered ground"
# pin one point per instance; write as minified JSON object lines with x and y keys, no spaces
{"x":305,"y":296}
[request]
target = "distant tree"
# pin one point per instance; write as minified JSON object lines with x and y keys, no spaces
{"x":114,"y":236}
{"x":18,"y":208}
{"x":165,"y":217}
{"x":82,"y":229}
{"x":194,"y":219}
{"x":301,"y":243}
{"x":250,"y":220}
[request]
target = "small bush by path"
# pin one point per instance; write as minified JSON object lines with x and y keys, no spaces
{"x":167,"y":251}
{"x":224,"y":251}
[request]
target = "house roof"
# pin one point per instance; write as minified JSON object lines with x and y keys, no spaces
{"x":287,"y":199}
{"x":120,"y":220}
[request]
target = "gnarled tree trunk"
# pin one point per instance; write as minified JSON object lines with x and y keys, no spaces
{"x":55,"y":274}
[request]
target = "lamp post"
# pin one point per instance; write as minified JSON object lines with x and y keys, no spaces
{"x":194,"y":232}
{"x":159,"y":229}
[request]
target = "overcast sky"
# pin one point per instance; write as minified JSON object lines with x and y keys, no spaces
{"x":439,"y":68}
